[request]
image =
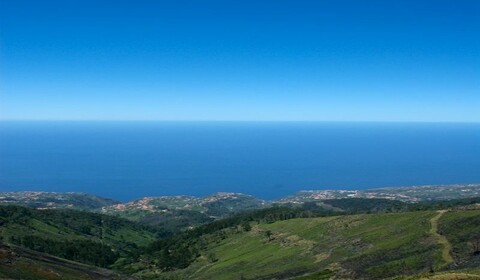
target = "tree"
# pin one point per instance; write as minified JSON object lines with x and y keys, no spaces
{"x":269,"y":235}
{"x":211,"y":257}
{"x":475,"y":242}
{"x":246,"y":226}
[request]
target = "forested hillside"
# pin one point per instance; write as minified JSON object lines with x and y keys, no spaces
{"x":332,"y":239}
{"x":365,"y":246}
{"x":80,"y":236}
{"x":25,"y":264}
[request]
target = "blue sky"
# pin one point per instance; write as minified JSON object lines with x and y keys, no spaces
{"x":333,"y":60}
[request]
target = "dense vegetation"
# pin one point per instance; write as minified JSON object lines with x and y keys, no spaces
{"x":187,"y":248}
{"x":366,"y":246}
{"x":181,"y":250}
{"x":19,"y":263}
{"x":84,"y":251}
{"x":175,"y":221}
{"x":462,"y":229}
{"x":379,"y":205}
{"x":78,"y":201}
{"x":350,"y":238}
{"x":85,"y":222}
{"x":81,"y":236}
{"x":362,"y":205}
{"x":228,"y":206}
{"x":179,"y":213}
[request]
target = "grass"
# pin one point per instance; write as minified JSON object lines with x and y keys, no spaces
{"x":446,"y":246}
{"x":462,"y":229}
{"x":469,"y":274}
{"x":356,"y":246}
{"x":18,"y":263}
{"x":79,"y":236}
{"x":408,"y":245}
{"x":62,"y":232}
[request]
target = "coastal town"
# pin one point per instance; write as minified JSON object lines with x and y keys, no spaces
{"x":231,"y":201}
{"x":405,"y":194}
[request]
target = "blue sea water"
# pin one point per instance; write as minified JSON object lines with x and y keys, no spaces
{"x":128,"y":160}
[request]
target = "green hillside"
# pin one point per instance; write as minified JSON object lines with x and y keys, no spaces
{"x":90,"y":238}
{"x":338,"y":239}
{"x":177,"y":213}
{"x":462,"y":229}
{"x":19,"y":263}
{"x":365,"y":246}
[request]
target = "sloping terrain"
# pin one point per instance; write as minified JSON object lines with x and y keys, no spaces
{"x":365,"y":246}
{"x":441,"y":239}
{"x":174,"y":213}
{"x":333,"y":239}
{"x":354,"y":246}
{"x":462,"y":229}
{"x":19,"y":263}
{"x":81,"y":236}
{"x":447,"y":275}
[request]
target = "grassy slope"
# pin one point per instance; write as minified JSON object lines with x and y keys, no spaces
{"x":357,"y":246}
{"x":69,"y":225}
{"x":441,"y":239}
{"x":18,"y":263}
{"x":65,"y":230}
{"x":367,"y":246}
{"x":462,"y":228}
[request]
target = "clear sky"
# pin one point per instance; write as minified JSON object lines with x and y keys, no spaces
{"x":330,"y":60}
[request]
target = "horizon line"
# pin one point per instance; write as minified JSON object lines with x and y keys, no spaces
{"x":238,"y":121}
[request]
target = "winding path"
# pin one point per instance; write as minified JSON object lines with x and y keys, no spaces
{"x":446,"y":246}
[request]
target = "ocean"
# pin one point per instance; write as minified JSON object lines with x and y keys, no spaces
{"x":129,"y":160}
